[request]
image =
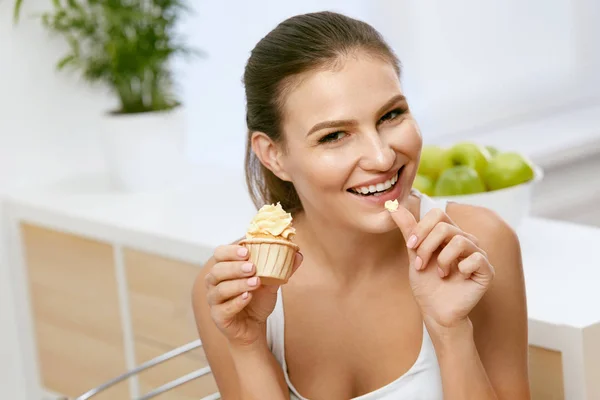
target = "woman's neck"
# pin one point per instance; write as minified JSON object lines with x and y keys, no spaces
{"x":344,"y":255}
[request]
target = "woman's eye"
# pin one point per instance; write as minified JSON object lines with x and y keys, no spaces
{"x":332,"y":137}
{"x":392,"y":115}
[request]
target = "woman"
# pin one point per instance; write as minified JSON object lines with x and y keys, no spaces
{"x":385,"y":305}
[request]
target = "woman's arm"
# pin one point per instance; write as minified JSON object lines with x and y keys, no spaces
{"x":466,"y":276}
{"x":463,"y":373}
{"x":241,"y":372}
{"x":499,"y":320}
{"x":265,"y":375}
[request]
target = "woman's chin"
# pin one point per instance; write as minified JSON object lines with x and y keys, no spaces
{"x":378,"y":223}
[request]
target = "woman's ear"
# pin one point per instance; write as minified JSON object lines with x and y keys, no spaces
{"x":270,"y":154}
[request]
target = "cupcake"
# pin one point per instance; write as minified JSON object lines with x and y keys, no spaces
{"x":268,"y":241}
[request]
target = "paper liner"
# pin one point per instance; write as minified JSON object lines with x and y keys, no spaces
{"x":273,"y":258}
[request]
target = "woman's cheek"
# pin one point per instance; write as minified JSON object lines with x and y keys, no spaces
{"x":328,"y":170}
{"x":406,"y":137}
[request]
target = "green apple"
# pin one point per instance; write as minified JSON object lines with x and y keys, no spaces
{"x":508,"y":169}
{"x":459,"y":180}
{"x":434,"y":159}
{"x":471,"y":155}
{"x":424,"y":184}
{"x":493,"y":151}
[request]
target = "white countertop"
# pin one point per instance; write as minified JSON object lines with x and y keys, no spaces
{"x":562,"y":270}
{"x":183,"y":223}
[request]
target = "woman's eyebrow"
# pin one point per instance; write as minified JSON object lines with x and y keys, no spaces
{"x":396,"y":99}
{"x":352,"y":122}
{"x":332,"y":124}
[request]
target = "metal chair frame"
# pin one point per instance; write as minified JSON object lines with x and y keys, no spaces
{"x":152,"y":363}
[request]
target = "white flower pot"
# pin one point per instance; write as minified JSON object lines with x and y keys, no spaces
{"x":513,"y":204}
{"x":145,"y":151}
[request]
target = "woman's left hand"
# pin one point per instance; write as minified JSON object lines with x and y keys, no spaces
{"x":449,"y":273}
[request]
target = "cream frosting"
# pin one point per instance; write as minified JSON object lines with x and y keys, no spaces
{"x":271,"y":220}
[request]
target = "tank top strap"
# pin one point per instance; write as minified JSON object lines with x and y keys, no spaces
{"x":427,"y":203}
{"x":275,"y":330}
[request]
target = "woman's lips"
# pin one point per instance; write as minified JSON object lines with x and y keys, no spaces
{"x":379,"y":199}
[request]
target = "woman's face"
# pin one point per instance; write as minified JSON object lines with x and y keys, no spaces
{"x":351,"y":143}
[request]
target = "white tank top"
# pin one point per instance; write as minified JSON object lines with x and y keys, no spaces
{"x":421,"y":382}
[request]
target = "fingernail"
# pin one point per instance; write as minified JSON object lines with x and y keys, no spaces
{"x":252,"y":281}
{"x":441,"y":272}
{"x":301,"y":256}
{"x":242,"y":252}
{"x":245,"y":295}
{"x":418,"y":263}
{"x":412,"y":240}
{"x":247,"y":267}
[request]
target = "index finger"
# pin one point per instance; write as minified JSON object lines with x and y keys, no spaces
{"x":429,"y":221}
{"x":405,"y":221}
{"x":231,"y":252}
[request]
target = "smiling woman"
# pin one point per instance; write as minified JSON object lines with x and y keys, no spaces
{"x":386,"y":304}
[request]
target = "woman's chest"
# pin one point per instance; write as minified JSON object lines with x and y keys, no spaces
{"x":337,"y":347}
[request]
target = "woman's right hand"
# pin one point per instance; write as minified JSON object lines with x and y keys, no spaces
{"x":239,"y":304}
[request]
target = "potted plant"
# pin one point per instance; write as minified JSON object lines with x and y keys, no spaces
{"x":129,"y":46}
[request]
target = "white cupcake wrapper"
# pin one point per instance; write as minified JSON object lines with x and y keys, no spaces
{"x":274,"y":259}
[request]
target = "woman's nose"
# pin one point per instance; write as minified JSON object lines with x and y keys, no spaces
{"x":376,"y":155}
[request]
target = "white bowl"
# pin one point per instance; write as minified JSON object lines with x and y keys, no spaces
{"x":513,"y":204}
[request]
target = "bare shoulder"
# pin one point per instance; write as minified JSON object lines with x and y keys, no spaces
{"x":500,"y":317}
{"x":501,"y":244}
{"x":491,"y":230}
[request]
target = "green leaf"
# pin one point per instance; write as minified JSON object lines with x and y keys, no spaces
{"x":66,"y":60}
{"x":17,"y":10}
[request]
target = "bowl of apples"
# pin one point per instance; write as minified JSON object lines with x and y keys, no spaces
{"x":480,"y":175}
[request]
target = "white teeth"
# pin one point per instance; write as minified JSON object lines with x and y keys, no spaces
{"x":380,"y":187}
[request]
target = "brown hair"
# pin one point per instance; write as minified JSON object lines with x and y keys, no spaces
{"x":297,"y":45}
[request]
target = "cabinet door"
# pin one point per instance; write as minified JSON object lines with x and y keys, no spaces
{"x":162,"y":319}
{"x":546,"y":374}
{"x":76,"y":312}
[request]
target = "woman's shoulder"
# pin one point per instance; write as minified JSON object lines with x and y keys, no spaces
{"x":494,"y":235}
{"x":482,"y":222}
